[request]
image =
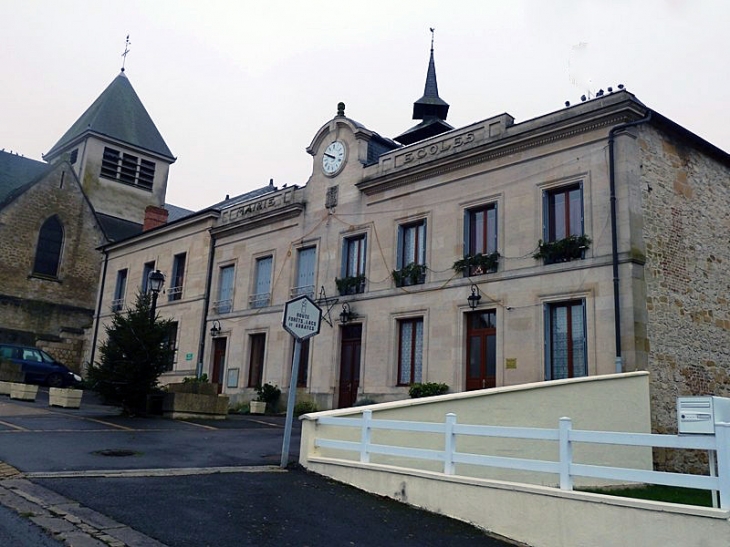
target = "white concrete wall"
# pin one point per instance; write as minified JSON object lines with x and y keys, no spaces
{"x":540,"y":516}
{"x":617,"y":402}
{"x":536,"y":514}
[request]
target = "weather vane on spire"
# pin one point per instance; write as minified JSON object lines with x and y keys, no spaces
{"x":126,"y":50}
{"x":431,"y":29}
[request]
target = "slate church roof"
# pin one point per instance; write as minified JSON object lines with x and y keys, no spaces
{"x":118,"y":113}
{"x":15,"y":173}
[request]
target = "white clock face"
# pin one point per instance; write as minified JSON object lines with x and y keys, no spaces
{"x":333,"y":158}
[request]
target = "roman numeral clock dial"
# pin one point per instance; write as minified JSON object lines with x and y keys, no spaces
{"x":333,"y":158}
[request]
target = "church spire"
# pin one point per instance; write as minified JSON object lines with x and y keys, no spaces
{"x":430,"y":105}
{"x":430,"y":108}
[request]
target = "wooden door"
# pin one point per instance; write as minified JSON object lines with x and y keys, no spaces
{"x":219,"y":362}
{"x":481,"y":350}
{"x":350,"y":350}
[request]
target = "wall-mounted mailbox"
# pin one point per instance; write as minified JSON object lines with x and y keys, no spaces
{"x":698,"y":415}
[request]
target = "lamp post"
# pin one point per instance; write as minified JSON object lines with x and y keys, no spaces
{"x":155,"y":282}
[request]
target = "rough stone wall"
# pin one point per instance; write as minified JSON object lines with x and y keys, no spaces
{"x":33,"y":307}
{"x":686,"y":205}
{"x":68,"y":349}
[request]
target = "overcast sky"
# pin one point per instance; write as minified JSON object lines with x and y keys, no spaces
{"x":238,"y":89}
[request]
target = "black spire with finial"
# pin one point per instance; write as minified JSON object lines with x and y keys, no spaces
{"x":430,"y":105}
{"x":126,"y":50}
{"x":430,"y":108}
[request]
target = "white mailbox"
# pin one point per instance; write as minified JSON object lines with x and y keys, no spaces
{"x":699,"y":415}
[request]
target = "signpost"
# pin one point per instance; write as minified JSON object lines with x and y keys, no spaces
{"x":302,"y":319}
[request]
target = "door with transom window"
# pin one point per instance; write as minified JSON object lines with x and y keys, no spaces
{"x":350,"y":348}
{"x":481,"y":350}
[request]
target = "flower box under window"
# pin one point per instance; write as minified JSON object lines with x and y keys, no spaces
{"x":569,"y":248}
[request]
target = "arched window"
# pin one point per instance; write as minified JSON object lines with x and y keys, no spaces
{"x":48,"y":251}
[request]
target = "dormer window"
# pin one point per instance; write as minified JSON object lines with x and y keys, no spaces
{"x":127,"y":169}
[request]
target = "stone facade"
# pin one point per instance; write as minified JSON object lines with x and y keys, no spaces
{"x":685,"y":198}
{"x":101,"y":176}
{"x":671,"y":191}
{"x":51,"y":309}
{"x":188,"y":238}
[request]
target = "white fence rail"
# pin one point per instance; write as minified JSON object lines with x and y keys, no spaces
{"x":565,"y":436}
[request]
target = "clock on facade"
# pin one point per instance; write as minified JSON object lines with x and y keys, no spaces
{"x":333,"y":157}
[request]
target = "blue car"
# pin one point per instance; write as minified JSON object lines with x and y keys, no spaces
{"x":39,"y":367}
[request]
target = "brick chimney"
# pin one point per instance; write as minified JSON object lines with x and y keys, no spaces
{"x":154,"y":217}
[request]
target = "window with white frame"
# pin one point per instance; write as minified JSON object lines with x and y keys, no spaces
{"x":261,"y":296}
{"x":565,"y":340}
{"x":410,"y":351}
{"x":119,"y":290}
{"x":226,"y":276}
{"x":563,"y":212}
{"x":306,"y":262}
{"x":411,"y":259}
{"x":147,"y":269}
{"x":174,"y":292}
{"x":353,"y":265}
{"x":480,"y":236}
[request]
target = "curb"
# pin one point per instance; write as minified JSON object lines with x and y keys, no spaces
{"x":63,"y":519}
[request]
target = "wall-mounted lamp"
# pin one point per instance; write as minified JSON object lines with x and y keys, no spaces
{"x":346,"y":314}
{"x":474,"y":298}
{"x":215,"y":330}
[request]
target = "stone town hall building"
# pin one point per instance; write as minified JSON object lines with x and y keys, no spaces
{"x":94,"y":187}
{"x":586,"y":241}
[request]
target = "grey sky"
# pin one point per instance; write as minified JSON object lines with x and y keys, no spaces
{"x":238,"y":89}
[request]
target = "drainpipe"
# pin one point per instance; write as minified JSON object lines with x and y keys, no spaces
{"x":206,"y":302}
{"x":98,"y":307}
{"x":614,"y":235}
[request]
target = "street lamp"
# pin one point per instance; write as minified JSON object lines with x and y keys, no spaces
{"x":215,"y":330}
{"x":155,"y":281}
{"x":474,"y":298}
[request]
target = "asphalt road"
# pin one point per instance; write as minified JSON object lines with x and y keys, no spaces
{"x":175,"y":483}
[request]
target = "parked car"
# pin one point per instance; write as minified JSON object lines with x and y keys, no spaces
{"x":39,"y":367}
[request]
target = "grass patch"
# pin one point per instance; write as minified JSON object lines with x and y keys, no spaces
{"x":658,"y":492}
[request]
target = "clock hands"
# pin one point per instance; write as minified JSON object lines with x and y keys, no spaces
{"x":329,"y":155}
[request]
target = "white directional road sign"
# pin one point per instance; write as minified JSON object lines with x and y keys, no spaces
{"x":302,"y":318}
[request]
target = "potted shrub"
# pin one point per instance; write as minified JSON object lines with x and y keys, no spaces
{"x":427,"y":389}
{"x":562,"y":250}
{"x":350,"y":285}
{"x":477,"y":264}
{"x":412,"y":274}
{"x":267,"y":395}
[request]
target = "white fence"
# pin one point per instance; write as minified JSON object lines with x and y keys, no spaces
{"x":565,"y":436}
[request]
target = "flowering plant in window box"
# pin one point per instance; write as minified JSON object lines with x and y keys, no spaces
{"x":350,"y":285}
{"x":413,"y":274}
{"x":562,"y":250}
{"x":477,"y":264}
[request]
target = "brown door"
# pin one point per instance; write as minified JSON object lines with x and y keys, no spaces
{"x":219,"y":361}
{"x":481,"y":350}
{"x":350,"y":365}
